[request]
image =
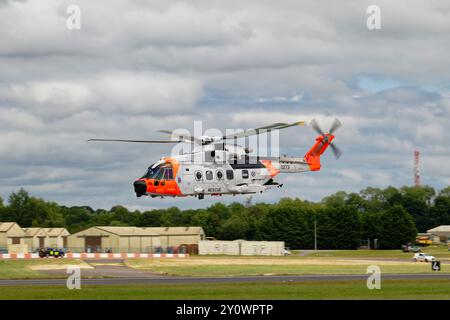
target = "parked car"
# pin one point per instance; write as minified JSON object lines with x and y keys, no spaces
{"x":411,"y":248}
{"x":424,"y":240}
{"x":421,"y":256}
{"x":51,"y":252}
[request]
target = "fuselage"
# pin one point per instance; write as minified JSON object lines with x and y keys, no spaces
{"x":215,"y":172}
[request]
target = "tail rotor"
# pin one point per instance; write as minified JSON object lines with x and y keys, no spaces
{"x":327,"y":137}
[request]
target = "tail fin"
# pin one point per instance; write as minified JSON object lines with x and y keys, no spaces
{"x":312,"y":157}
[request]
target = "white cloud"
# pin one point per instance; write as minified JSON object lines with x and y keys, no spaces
{"x":139,"y":66}
{"x":132,"y":92}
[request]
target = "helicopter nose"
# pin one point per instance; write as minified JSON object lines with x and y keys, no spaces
{"x":140,"y":187}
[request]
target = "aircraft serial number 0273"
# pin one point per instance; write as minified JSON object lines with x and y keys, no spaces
{"x":225,"y":168}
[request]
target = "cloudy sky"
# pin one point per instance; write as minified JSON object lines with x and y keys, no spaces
{"x":139,"y":66}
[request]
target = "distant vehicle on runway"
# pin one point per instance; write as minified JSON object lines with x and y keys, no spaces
{"x":423,"y":257}
{"x":51,"y":252}
{"x":410,"y":248}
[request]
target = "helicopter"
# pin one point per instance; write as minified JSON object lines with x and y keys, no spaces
{"x":217,"y":167}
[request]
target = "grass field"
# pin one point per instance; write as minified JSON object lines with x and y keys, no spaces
{"x":322,"y":262}
{"x":307,"y":269}
{"x":441,"y":252}
{"x":24,"y":269}
{"x":390,"y":289}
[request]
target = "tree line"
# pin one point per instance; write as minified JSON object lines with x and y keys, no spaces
{"x":342,"y":220}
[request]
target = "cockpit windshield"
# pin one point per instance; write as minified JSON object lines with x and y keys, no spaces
{"x":151,"y":171}
{"x":162,"y":171}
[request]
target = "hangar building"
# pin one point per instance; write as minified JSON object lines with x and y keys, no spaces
{"x":175,"y":236}
{"x":11,"y":233}
{"x":443,"y":232}
{"x":57,"y":237}
{"x":35,"y":238}
{"x":12,"y":237}
{"x":135,"y":239}
{"x":114,"y":239}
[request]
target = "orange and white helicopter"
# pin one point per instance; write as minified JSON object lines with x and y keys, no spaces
{"x":225,"y":168}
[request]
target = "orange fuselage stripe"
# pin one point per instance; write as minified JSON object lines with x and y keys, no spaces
{"x":269,"y":165}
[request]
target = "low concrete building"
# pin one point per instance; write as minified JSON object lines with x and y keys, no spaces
{"x":176,"y":236}
{"x":36,"y":238}
{"x":443,"y":232}
{"x":57,"y":237}
{"x":262,"y":248}
{"x":114,"y":239}
{"x":206,"y":247}
{"x":10,"y":233}
{"x":241,"y":247}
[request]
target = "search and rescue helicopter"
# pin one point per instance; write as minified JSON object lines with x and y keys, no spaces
{"x":226,"y":168}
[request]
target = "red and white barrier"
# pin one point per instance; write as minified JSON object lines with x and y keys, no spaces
{"x":96,"y":255}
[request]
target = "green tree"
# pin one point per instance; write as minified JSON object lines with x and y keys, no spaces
{"x":19,"y":209}
{"x":2,"y":210}
{"x":29,"y":211}
{"x":291,"y":224}
{"x":223,"y":212}
{"x":373,"y":199}
{"x":397,"y":228}
{"x":150,"y":219}
{"x":76,"y":218}
{"x":236,"y":227}
{"x":337,"y":199}
{"x":209,"y":221}
{"x":418,"y":201}
{"x":45,"y":214}
{"x":440,"y":212}
{"x":174,"y":217}
{"x":338,"y":227}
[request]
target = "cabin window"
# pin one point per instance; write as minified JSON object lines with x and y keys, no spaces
{"x":208,"y":175}
{"x":168,"y":174}
{"x":244,"y":174}
{"x":219,"y":175}
{"x":230,"y":174}
{"x":198,"y":175}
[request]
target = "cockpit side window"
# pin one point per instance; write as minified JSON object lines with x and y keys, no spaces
{"x":168,"y":173}
{"x":158,"y":174}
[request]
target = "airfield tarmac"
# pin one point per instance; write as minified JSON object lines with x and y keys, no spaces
{"x":211,"y":280}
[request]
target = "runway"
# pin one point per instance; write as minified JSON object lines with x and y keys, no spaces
{"x":212,"y":280}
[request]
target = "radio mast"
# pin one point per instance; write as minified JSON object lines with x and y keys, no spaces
{"x":416,"y":168}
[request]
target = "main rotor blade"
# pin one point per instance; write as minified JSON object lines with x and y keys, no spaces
{"x":139,"y":141}
{"x":316,"y":126}
{"x":255,"y":131}
{"x":337,"y":153}
{"x":184,"y":137}
{"x":336,"y":125}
